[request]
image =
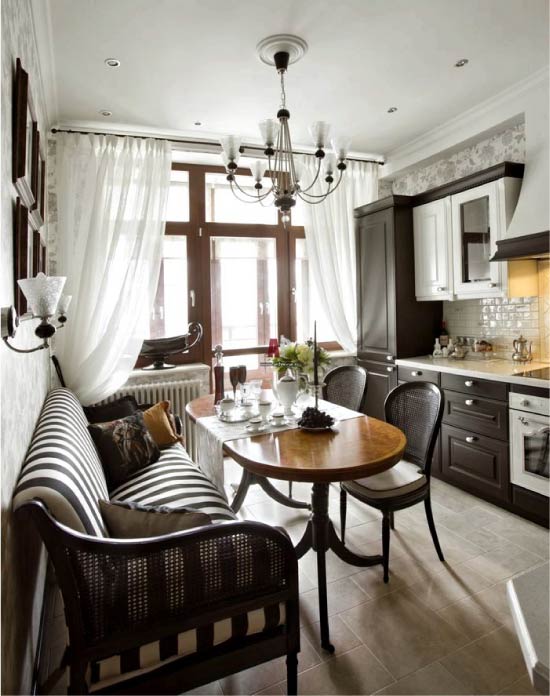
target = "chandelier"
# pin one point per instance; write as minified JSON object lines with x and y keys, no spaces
{"x":281,"y":165}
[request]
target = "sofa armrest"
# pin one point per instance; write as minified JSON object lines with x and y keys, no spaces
{"x":131,"y":589}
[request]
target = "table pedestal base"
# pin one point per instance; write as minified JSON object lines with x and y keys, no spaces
{"x":248,"y":478}
{"x":321,"y":536}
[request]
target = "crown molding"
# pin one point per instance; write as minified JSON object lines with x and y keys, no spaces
{"x":43,"y":36}
{"x":504,"y":109}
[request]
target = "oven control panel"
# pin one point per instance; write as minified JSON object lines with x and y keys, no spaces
{"x":530,"y":404}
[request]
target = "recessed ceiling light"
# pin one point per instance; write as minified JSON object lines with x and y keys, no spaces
{"x":461,"y":63}
{"x":112,"y":62}
{"x":392,"y":109}
{"x":106,"y":112}
{"x":198,"y":123}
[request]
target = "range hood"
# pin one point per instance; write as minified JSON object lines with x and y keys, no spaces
{"x":528,"y":236}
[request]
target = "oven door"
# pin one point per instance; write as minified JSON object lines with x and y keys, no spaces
{"x":530,"y":451}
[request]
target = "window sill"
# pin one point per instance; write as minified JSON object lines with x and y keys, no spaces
{"x":337,"y":354}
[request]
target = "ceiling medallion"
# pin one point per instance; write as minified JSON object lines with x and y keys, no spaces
{"x":281,"y":166}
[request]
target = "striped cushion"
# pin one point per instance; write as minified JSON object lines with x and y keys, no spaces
{"x":62,"y":467}
{"x":146,"y":658}
{"x":174,"y":480}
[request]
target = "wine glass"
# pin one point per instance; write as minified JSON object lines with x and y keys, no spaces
{"x":234,"y":379}
{"x":242,"y":377}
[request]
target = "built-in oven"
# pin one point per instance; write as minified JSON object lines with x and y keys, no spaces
{"x":530,"y":442}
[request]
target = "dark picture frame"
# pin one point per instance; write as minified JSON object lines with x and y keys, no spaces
{"x":24,"y":125}
{"x":22,"y":253}
{"x":37,"y":181}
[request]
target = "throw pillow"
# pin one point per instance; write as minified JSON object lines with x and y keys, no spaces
{"x":157,"y":420}
{"x":124,"y":446}
{"x":120,"y":408}
{"x":126,"y":520}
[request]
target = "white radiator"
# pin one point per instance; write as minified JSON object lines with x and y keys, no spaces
{"x":177,"y":392}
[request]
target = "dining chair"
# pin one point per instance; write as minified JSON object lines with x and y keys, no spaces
{"x":346,"y":386}
{"x":416,"y":408}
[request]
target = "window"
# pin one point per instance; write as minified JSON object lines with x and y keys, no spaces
{"x":234,"y":268}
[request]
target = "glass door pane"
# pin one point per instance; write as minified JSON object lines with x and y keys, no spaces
{"x":308,"y":306}
{"x":475,"y":240}
{"x":170,"y":310}
{"x":243,"y":291}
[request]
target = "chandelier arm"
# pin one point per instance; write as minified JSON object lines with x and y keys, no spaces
{"x":255,"y":198}
{"x":293,"y":184}
{"x":327,"y":192}
{"x":316,"y":178}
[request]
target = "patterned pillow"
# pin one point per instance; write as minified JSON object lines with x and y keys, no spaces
{"x":124,"y":446}
{"x":126,"y":520}
{"x":120,"y":408}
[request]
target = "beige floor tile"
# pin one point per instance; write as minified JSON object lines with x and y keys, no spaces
{"x":465,"y":522}
{"x":433,"y":679}
{"x":470,"y":617}
{"x":353,"y":672}
{"x":403,"y":634}
{"x":494,"y":601}
{"x":503,"y":562}
{"x":448,"y":586}
{"x":521,"y":687}
{"x":404,"y":570}
{"x":278,"y":515}
{"x":336,"y":569}
{"x":527,"y":535}
{"x":342,"y":637}
{"x":486,"y":539}
{"x":489,"y":664}
{"x":212,"y":689}
{"x":342,"y":594}
{"x":275,"y":689}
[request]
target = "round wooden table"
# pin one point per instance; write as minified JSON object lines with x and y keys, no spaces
{"x":359,"y":447}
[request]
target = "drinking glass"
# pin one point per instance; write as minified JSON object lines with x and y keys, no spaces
{"x":246,"y":391}
{"x":273,"y":348}
{"x":234,"y":379}
{"x":242,"y":378}
{"x":255,"y":388}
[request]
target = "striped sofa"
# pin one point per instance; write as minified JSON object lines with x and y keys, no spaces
{"x":162,"y":614}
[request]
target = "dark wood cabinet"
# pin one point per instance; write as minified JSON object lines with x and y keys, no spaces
{"x":391,"y":323}
{"x":382,"y":379}
{"x":483,"y":416}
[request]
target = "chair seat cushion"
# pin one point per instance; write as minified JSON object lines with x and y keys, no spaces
{"x":174,"y":481}
{"x":159,"y":653}
{"x":401,"y":479}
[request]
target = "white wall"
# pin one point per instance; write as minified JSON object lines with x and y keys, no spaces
{"x":24,"y":382}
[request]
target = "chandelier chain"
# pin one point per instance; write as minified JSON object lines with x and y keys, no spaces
{"x":283,"y":93}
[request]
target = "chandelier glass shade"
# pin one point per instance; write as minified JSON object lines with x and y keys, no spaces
{"x":281,"y":165}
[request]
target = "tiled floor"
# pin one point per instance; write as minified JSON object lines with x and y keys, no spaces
{"x":435,"y":628}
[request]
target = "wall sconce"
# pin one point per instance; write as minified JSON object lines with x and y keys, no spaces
{"x":44,"y":298}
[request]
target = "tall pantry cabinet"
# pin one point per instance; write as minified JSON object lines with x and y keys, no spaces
{"x":391,"y":323}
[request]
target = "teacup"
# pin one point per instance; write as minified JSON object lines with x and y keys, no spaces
{"x":278,"y":418}
{"x":264,"y":408}
{"x":255,"y":423}
{"x":226,"y":406}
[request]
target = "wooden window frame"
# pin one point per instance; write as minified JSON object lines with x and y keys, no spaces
{"x":199,"y":233}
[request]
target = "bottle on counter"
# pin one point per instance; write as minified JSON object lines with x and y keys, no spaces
{"x":437,"y":349}
{"x":218,"y":374}
{"x":444,"y":336}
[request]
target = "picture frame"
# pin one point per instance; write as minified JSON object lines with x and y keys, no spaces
{"x":22,"y":253}
{"x":24,"y":125}
{"x":37,"y":181}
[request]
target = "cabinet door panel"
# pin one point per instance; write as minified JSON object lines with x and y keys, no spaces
{"x":376,"y":284}
{"x":432,"y":251}
{"x":483,"y":416}
{"x":381,"y":380}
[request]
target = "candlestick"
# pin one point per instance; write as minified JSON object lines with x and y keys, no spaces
{"x":315,"y":363}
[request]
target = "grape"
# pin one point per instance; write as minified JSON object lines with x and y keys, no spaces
{"x":313,"y":418}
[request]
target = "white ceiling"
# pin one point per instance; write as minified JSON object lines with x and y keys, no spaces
{"x":194,"y":60}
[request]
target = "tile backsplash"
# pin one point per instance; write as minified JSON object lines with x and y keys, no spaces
{"x":499,"y":320}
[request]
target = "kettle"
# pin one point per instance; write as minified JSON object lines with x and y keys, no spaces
{"x":522,"y":353}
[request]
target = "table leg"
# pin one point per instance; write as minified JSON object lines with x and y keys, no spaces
{"x":248,"y":479}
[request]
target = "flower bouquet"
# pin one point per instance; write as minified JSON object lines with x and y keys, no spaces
{"x":299,"y":357}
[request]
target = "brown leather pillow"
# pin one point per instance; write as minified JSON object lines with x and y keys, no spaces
{"x":103,"y":413}
{"x":124,"y":446}
{"x":126,"y":520}
{"x":158,"y":423}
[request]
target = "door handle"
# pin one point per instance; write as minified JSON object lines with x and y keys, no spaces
{"x":293,"y":293}
{"x":492,"y":285}
{"x":192,"y":297}
{"x":471,"y":438}
{"x":389,"y":357}
{"x":440,"y":289}
{"x":416,"y":373}
{"x":469,"y":383}
{"x":534,"y":433}
{"x":261,"y":307}
{"x":469,"y":402}
{"x":390,"y":369}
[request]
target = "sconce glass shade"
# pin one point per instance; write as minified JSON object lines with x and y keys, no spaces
{"x":269,"y":130}
{"x":258,"y":168}
{"x":320,"y":133}
{"x":230,"y":146}
{"x":329,"y":163}
{"x":42,"y":293}
{"x":63,"y":304}
{"x":340,"y":145}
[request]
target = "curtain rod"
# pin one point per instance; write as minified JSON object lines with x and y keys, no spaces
{"x":207,"y":143}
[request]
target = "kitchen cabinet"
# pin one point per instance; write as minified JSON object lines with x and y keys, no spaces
{"x":433,"y":258}
{"x":390,"y":322}
{"x":456,"y":229}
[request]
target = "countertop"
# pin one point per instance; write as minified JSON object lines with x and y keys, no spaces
{"x":528,"y":599}
{"x":497,"y":369}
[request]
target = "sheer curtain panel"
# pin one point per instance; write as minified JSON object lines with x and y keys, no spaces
{"x":330,"y":238}
{"x":111,"y":195}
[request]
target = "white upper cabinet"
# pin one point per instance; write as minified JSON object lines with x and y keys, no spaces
{"x":433,"y":250}
{"x":455,"y":238}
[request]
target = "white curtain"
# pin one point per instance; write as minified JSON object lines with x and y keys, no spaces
{"x":330,"y":241}
{"x":111,"y":196}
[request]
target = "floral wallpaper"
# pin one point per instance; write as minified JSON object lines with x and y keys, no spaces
{"x":506,"y":146}
{"x":25,"y":382}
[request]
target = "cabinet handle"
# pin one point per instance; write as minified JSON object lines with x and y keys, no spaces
{"x":389,"y":369}
{"x":469,"y":402}
{"x":192,"y":297}
{"x":440,"y":289}
{"x":492,"y":285}
{"x":469,"y":383}
{"x":389,"y":357}
{"x":471,"y":438}
{"x":416,"y":373}
{"x":524,"y":402}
